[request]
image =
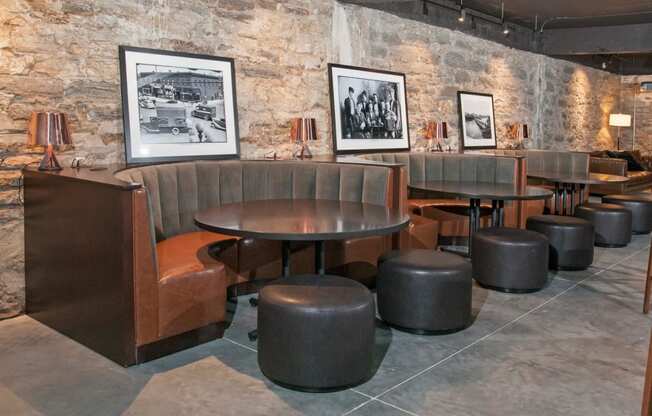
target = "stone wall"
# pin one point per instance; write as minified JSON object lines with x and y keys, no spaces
{"x":63,"y":55}
{"x":639,"y":105}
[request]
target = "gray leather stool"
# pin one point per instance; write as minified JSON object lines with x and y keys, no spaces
{"x":316,"y":333}
{"x":571,"y":240}
{"x":424,"y":291}
{"x":640,"y":205}
{"x":612,"y":223}
{"x":510,"y":259}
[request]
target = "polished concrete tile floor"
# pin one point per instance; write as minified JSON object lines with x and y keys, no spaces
{"x":578,"y":347}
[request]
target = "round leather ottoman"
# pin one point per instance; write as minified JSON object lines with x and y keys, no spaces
{"x":316,"y":333}
{"x":640,"y":205}
{"x":612,"y":223}
{"x":510,"y":259}
{"x":424,"y":291}
{"x":571,"y":240}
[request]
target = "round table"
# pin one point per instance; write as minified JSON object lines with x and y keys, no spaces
{"x":566,"y":182}
{"x":498,"y":193}
{"x":314,"y":220}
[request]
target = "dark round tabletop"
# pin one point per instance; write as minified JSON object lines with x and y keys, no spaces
{"x":590,"y":179}
{"x":301,"y":219}
{"x":478,"y":190}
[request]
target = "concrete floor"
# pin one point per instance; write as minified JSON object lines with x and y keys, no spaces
{"x":578,"y":347}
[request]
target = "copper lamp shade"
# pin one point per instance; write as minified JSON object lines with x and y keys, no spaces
{"x":302,"y":130}
{"x":436,"y":130}
{"x":48,"y":129}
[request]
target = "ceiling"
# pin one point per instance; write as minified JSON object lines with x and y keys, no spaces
{"x":569,"y":13}
{"x":617,"y":33}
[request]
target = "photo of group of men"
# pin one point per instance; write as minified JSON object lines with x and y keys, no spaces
{"x":370,"y":109}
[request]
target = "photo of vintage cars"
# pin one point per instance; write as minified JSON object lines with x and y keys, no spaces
{"x":170,"y":117}
{"x":219,"y":124}
{"x":205,"y":112}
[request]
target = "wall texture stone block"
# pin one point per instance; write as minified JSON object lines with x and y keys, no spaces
{"x":63,"y":55}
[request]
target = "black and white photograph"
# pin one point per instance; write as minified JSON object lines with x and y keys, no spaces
{"x":477,"y":120}
{"x":369,"y":110}
{"x":177,"y":106}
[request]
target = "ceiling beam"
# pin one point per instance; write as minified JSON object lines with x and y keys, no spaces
{"x":598,"y":40}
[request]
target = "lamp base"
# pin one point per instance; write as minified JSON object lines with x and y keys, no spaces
{"x":303,"y":152}
{"x":49,"y":161}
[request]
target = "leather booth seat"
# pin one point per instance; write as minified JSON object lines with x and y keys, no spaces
{"x":181,"y":274}
{"x":424,"y":291}
{"x":316,"y":333}
{"x":640,"y":205}
{"x":571,"y":240}
{"x":510,"y":259}
{"x":612,"y":223}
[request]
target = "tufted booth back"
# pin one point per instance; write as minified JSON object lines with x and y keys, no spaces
{"x":453,"y":167}
{"x":178,"y":191}
{"x":566,"y":163}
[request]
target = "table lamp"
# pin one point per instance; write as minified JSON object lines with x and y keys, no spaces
{"x":302,"y":130}
{"x":48,"y":129}
{"x":620,"y":120}
{"x":435,"y":130}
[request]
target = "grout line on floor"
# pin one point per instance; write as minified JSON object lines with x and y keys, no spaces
{"x":525,"y":314}
{"x":239,"y":344}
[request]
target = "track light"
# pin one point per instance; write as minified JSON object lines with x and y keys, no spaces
{"x":462,"y":17}
{"x":604,"y":65}
{"x":505,"y":29}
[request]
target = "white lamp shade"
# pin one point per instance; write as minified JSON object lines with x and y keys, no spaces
{"x":620,"y":120}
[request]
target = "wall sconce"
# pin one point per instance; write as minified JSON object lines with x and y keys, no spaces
{"x":435,"y":130}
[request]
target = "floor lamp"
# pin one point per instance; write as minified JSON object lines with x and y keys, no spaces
{"x":620,"y":120}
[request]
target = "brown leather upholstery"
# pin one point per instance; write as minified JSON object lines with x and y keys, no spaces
{"x":181,"y":274}
{"x":638,"y":180}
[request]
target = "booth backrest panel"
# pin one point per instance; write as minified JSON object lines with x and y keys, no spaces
{"x":178,"y":191}
{"x":550,"y":160}
{"x":453,"y":167}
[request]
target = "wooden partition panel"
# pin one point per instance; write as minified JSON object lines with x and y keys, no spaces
{"x":78,"y":261}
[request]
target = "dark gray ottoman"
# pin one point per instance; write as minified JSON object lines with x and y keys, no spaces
{"x":612,"y":223}
{"x":510,"y":259}
{"x":640,"y":205}
{"x":424,"y":291}
{"x":316,"y":333}
{"x":571,"y":240}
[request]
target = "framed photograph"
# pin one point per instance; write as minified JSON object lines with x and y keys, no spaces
{"x":368,"y":110}
{"x":177,"y":106}
{"x":477,"y":120}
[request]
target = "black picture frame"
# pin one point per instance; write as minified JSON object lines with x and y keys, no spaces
{"x":463,"y":142}
{"x":130,"y":158}
{"x":335,"y":111}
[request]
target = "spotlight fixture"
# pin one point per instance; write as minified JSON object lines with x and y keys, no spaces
{"x":462,"y":16}
{"x":604,"y":65}
{"x":502,"y":18}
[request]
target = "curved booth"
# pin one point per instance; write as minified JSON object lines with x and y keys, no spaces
{"x":137,"y":247}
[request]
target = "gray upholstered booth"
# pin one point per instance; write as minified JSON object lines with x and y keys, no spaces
{"x":468,"y":167}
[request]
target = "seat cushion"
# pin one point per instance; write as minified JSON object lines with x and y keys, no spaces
{"x":316,"y":332}
{"x":510,"y":259}
{"x":424,"y":291}
{"x":191,"y":253}
{"x":192,"y":284}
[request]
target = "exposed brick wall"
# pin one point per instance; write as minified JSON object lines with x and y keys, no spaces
{"x":63,"y":55}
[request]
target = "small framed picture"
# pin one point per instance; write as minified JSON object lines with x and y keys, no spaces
{"x":177,"y":106}
{"x":368,"y":110}
{"x":477,"y":120}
